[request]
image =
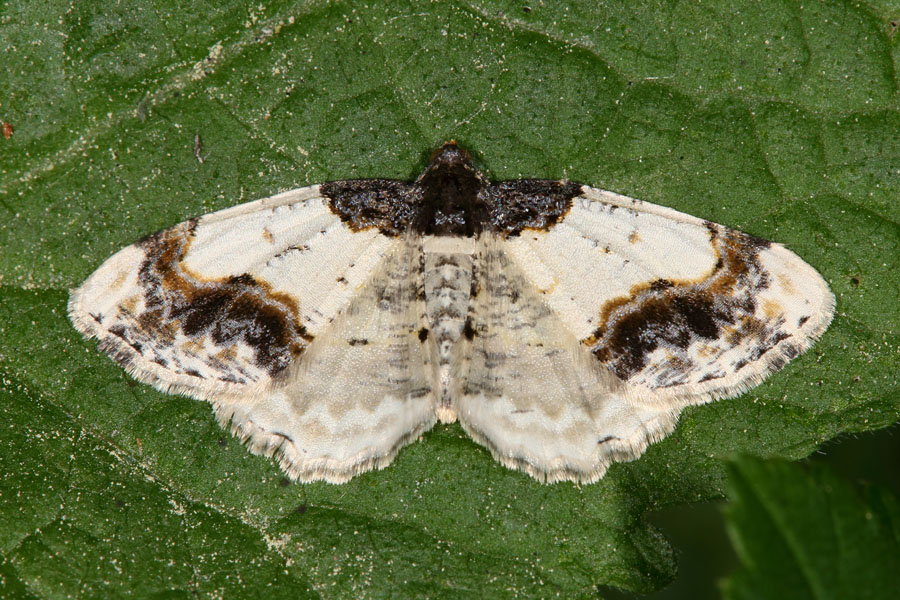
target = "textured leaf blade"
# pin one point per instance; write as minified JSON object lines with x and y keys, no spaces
{"x":809,"y":534}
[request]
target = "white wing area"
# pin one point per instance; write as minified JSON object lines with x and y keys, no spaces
{"x":609,"y":251}
{"x":301,"y":333}
{"x":602,"y":250}
{"x":530,"y":392}
{"x":592,"y":337}
{"x":361,"y":391}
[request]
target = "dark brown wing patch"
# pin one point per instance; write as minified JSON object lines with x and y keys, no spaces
{"x":389,"y":205}
{"x":677,"y":315}
{"x":520,"y":204}
{"x":184,"y":315}
{"x":450,"y":197}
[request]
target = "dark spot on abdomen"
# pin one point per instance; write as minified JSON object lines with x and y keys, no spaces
{"x":469,"y":330}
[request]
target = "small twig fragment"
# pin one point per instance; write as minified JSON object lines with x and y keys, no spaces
{"x":198,"y":148}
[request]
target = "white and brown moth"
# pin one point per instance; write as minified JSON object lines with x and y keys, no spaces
{"x":564,"y":326}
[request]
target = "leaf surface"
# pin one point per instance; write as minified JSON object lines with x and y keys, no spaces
{"x":809,"y":534}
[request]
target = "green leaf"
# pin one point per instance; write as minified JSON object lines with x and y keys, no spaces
{"x":809,"y":534}
{"x":776,"y":118}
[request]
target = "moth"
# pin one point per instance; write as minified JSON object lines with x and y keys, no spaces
{"x":565,"y":327}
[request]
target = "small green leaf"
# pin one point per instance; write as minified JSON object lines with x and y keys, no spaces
{"x":807,"y":533}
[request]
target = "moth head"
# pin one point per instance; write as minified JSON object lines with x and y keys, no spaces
{"x":451,"y":159}
{"x":451,"y":193}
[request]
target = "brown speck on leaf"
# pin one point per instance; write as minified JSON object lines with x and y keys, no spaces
{"x":854,"y":281}
{"x":7,"y":130}
{"x":198,"y":148}
{"x":893,"y":25}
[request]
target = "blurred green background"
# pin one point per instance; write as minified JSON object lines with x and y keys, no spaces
{"x":705,"y":553}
